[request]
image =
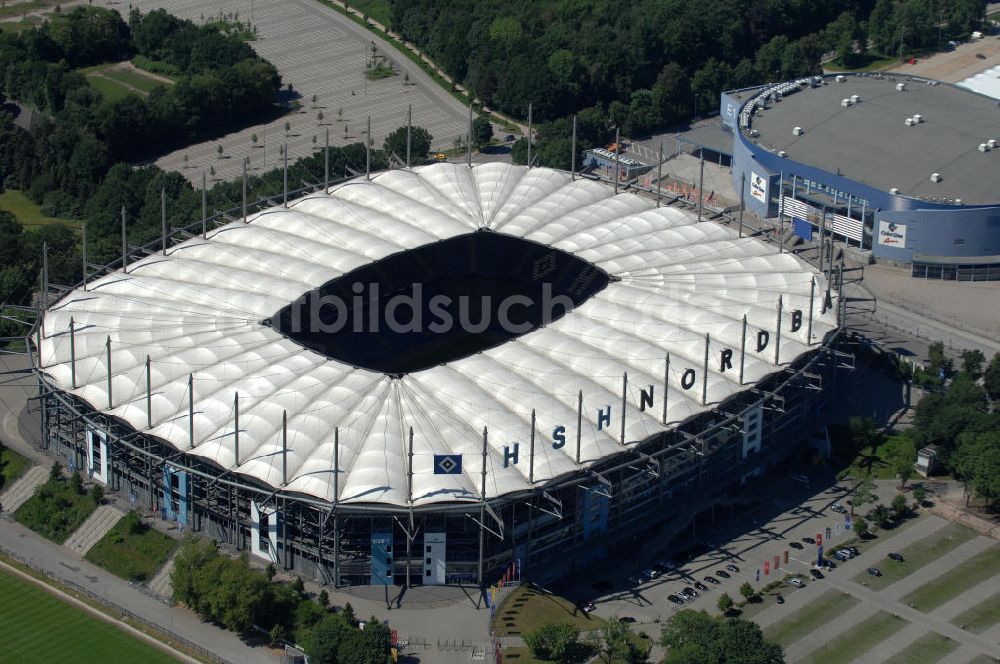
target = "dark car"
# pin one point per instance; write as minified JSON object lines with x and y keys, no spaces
{"x":675,"y":599}
{"x":711,"y":579}
{"x":626,"y":619}
{"x":689,"y":592}
{"x":895,"y":556}
{"x":808,"y":540}
{"x":779,"y":599}
{"x":508,"y":138}
{"x":980,"y":56}
{"x":587,"y":607}
{"x":875,"y":571}
{"x":724,"y":575}
{"x":854,"y":550}
{"x":816,"y":574}
{"x":733,"y":568}
{"x":700,"y":586}
{"x":795,"y":545}
{"x":829,"y":564}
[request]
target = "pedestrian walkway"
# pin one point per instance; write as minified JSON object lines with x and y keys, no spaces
{"x":93,"y":529}
{"x":23,"y":488}
{"x":160,"y":584}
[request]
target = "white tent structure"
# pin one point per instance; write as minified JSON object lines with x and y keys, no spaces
{"x":985,"y":82}
{"x":196,"y":313}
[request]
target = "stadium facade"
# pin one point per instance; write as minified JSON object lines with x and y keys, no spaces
{"x":902,"y":166}
{"x":684,"y":360}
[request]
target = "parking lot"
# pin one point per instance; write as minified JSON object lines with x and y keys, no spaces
{"x":320,"y":52}
{"x":947,"y":579}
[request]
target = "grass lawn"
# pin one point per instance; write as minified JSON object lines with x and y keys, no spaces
{"x":27,"y":212}
{"x":56,"y":510}
{"x":925,"y":650}
{"x":917,"y":555}
{"x":956,"y":581}
{"x":134,"y":78}
{"x":527,"y":608}
{"x":12,"y":465}
{"x":522,"y":655}
{"x":856,"y":641}
{"x":132,"y":550}
{"x":40,"y":628}
{"x":27,"y":23}
{"x":980,"y":617}
{"x":112,"y":90}
{"x":823,"y":609}
{"x":377,"y":10}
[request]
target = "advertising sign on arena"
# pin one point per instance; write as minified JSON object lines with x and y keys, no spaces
{"x":758,"y":187}
{"x":891,"y":234}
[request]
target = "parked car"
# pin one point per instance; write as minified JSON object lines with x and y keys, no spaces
{"x":721,"y":573}
{"x":779,"y":599}
{"x":816,"y":574}
{"x":797,"y":582}
{"x":829,"y":564}
{"x":808,"y":540}
{"x":733,"y":568}
{"x":897,"y":557}
{"x":626,"y":619}
{"x":795,"y":545}
{"x":875,"y":571}
{"x":700,"y":586}
{"x":587,"y":607}
{"x":801,"y":479}
{"x":689,"y":592}
{"x":854,"y":550}
{"x":649,"y":573}
{"x":711,"y":579}
{"x":635,"y":580}
{"x":664,"y":566}
{"x":675,"y":599}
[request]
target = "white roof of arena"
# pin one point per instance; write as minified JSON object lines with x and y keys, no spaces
{"x":198,"y":310}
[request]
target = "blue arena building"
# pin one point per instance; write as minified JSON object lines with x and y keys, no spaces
{"x":903,"y":167}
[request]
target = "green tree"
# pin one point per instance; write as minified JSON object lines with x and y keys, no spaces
{"x":747,"y":591}
{"x":881,"y":516}
{"x":863,"y":492}
{"x":277,"y":636}
{"x":900,"y":508}
{"x":324,"y":598}
{"x":694,"y":637}
{"x":972,"y":362}
{"x":326,"y":638}
{"x":902,"y":455}
{"x":615,"y":643}
{"x":991,"y":378}
{"x":556,"y":642}
{"x":863,"y":433}
{"x":725,"y":604}
{"x":76,"y":483}
{"x":420,"y":143}
{"x":298,"y":586}
{"x":482,"y":131}
{"x":860,"y":526}
{"x":55,"y":472}
{"x":919,"y":495}
{"x":937,"y":360}
{"x":97,"y":493}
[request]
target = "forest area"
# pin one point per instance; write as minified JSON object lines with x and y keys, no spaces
{"x":651,"y":64}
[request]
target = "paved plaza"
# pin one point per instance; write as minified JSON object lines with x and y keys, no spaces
{"x":787,"y":516}
{"x":320,"y":52}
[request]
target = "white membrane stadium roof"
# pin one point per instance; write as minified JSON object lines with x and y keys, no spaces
{"x":197,"y":311}
{"x":985,"y":82}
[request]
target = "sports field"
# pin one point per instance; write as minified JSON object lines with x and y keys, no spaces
{"x":37,"y":627}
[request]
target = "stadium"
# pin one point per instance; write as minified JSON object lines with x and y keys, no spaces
{"x":901,"y":167}
{"x":251,"y":378}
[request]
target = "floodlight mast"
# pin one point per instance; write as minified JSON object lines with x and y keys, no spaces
{"x":572,"y":158}
{"x":529,"y":135}
{"x":368,"y":150}
{"x":409,"y":132}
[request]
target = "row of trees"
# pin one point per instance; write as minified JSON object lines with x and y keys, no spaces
{"x":650,"y":64}
{"x":561,"y":642}
{"x":229,"y":592}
